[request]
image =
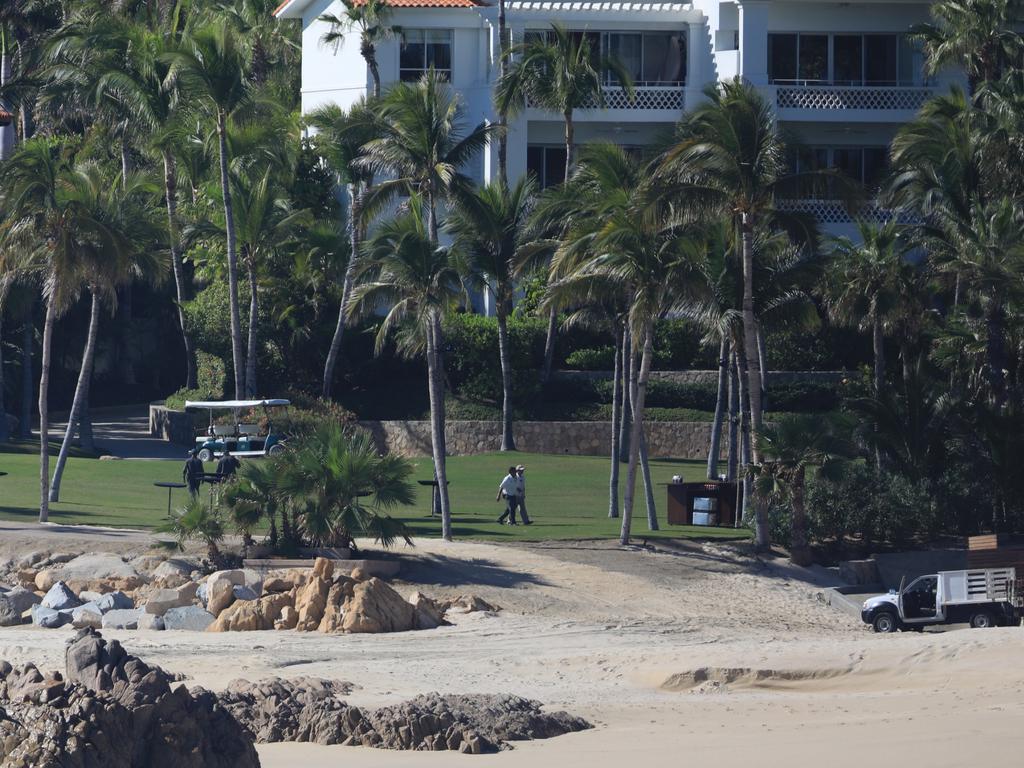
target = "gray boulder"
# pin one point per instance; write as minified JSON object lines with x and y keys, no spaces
{"x":122,"y":618}
{"x":13,"y":605}
{"x":48,"y":618}
{"x":60,"y":597}
{"x":173,"y":568}
{"x":189,"y":617}
{"x":163,"y":600}
{"x":202,"y":594}
{"x":113,"y":601}
{"x":88,"y":615}
{"x":244,"y":593}
{"x":151,"y":622}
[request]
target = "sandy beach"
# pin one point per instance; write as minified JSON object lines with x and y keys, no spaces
{"x":702,"y":656}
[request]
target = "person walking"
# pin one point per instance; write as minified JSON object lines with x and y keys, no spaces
{"x":521,"y":494}
{"x":507,"y":489}
{"x":227,"y":466}
{"x":192,"y":473}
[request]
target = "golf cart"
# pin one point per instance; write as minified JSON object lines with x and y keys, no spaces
{"x":241,"y":439}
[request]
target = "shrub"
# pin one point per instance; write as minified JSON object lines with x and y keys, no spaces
{"x":599,"y":359}
{"x":211,"y":374}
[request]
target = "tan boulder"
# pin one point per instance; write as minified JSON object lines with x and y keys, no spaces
{"x":289,"y":618}
{"x":358,"y":574}
{"x":27,"y":578}
{"x":252,"y":615}
{"x":466,"y":604}
{"x":311,"y":599}
{"x":220,"y":589}
{"x":376,"y":607}
{"x":334,"y":611}
{"x":428,"y":614}
{"x":284,"y":580}
{"x":46,"y":579}
{"x":162,"y":600}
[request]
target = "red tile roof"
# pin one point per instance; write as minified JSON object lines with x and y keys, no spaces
{"x":414,"y":4}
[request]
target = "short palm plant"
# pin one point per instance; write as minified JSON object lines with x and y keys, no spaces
{"x":340,"y":487}
{"x":200,"y":520}
{"x":252,"y":497}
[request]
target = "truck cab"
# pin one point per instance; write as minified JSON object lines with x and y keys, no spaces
{"x":981,"y":598}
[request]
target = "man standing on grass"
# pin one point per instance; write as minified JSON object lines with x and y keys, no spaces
{"x":192,"y":474}
{"x":508,"y":489}
{"x":521,"y":494}
{"x":227,"y":466}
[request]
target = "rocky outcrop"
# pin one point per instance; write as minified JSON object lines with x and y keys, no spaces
{"x":304,"y":709}
{"x":376,"y":607}
{"x":111,"y":709}
{"x":466,"y":604}
{"x":252,"y":615}
{"x":311,"y":599}
{"x":427,"y":614}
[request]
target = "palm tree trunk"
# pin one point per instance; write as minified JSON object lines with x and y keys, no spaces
{"x":44,"y":412}
{"x":626,"y":417}
{"x":354,"y":237}
{"x":181,"y":295}
{"x":86,"y":439}
{"x":237,"y":359}
{"x":502,"y":72}
{"x":645,"y":472}
{"x":508,"y":442}
{"x":613,"y":479}
{"x":762,"y":360}
{"x":637,"y":398}
{"x":369,"y":52}
{"x":27,"y":338}
{"x":549,"y":346}
{"x":732,"y":461}
{"x":747,"y":453}
{"x":84,"y":374}
{"x":720,"y":407}
{"x":799,"y":550}
{"x":254,"y":308}
{"x":995,"y":350}
{"x":435,"y":383}
{"x":878,"y":346}
{"x":5,"y":429}
{"x":753,"y":360}
{"x":570,"y":140}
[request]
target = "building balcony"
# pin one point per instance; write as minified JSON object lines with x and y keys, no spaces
{"x":664,"y":101}
{"x":835,"y":212}
{"x":849,"y":102}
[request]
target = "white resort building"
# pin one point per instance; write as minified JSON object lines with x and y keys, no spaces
{"x":841,"y":76}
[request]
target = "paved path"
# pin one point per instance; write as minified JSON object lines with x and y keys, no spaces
{"x":123,"y":431}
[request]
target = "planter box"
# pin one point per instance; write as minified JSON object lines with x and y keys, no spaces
{"x":331,"y":553}
{"x":384,"y":569}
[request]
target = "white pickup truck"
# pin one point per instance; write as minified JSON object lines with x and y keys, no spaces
{"x":983,"y":597}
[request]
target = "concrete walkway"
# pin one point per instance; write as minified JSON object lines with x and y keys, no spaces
{"x":123,"y":431}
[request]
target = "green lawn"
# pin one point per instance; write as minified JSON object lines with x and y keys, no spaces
{"x":567,"y":495}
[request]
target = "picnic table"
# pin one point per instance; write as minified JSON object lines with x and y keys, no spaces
{"x":170,"y":489}
{"x":435,"y":496}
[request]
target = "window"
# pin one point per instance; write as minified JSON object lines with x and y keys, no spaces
{"x":843,"y":59}
{"x":650,"y":57}
{"x":546,"y":164}
{"x":866,"y":165}
{"x":423,"y":49}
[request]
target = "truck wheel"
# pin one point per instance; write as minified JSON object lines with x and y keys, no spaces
{"x":205,"y":454}
{"x":982,"y":620}
{"x":885,"y":622}
{"x":275,"y":449}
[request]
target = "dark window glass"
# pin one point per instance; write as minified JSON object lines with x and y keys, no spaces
{"x":814,"y":58}
{"x":554,"y":166}
{"x":876,"y":163}
{"x":847,"y":59}
{"x":850,"y":161}
{"x":664,"y":58}
{"x":423,"y":49}
{"x":781,"y":57}
{"x":880,"y":59}
{"x":535,"y":163}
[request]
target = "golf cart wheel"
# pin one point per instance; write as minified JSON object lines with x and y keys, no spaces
{"x":205,"y":454}
{"x":275,"y":449}
{"x":885,"y":622}
{"x":982,"y":620}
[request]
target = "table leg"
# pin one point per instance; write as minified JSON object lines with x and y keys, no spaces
{"x":168,"y":502}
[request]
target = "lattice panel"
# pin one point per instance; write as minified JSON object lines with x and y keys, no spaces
{"x":834,"y":212}
{"x":810,"y":97}
{"x":644,"y":97}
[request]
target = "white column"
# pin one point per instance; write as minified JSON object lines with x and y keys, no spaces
{"x":698,"y":50}
{"x":754,"y":41}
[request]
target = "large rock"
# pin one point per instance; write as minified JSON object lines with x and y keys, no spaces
{"x":13,"y":605}
{"x":311,"y":599}
{"x":334,"y":611}
{"x":173,"y":572}
{"x":244,"y":593}
{"x":307,"y":709}
{"x":151,"y":622}
{"x":250,"y":615}
{"x":46,"y":579}
{"x":467,"y":604}
{"x":88,"y":615}
{"x":189,"y":617}
{"x":113,"y":601}
{"x":99,"y":573}
{"x":376,"y":607}
{"x":122,"y":618}
{"x":427,"y":613}
{"x":285,"y":580}
{"x":163,"y":600}
{"x":220,"y":589}
{"x":48,"y":618}
{"x":289,"y":618}
{"x":60,"y":597}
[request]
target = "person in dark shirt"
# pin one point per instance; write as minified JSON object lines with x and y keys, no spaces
{"x":228,"y":465}
{"x":192,"y":474}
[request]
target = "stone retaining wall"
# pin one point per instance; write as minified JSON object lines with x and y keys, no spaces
{"x":711,"y":377}
{"x":173,"y":426}
{"x":675,"y":439}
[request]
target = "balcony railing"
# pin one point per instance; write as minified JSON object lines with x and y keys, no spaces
{"x":844,"y":97}
{"x":835,"y":212}
{"x":664,"y":96}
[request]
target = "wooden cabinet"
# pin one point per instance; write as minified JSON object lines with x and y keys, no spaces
{"x":712,"y":504}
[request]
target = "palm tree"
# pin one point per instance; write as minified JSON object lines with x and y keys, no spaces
{"x":341,"y":137}
{"x":979,"y":36}
{"x":560,"y":72}
{"x":486,"y":223}
{"x":48,"y":227}
{"x":791,"y":446}
{"x":732,"y":157}
{"x":254,"y":496}
{"x":197,"y":520}
{"x":210,"y":65}
{"x":407,"y":273}
{"x":128,"y":215}
{"x":420,"y":147}
{"x":343,"y":487}
{"x":372,"y":19}
{"x":626,"y":229}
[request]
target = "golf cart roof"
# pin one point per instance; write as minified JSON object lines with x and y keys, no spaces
{"x":210,"y":405}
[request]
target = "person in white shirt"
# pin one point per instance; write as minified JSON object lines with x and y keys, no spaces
{"x":521,"y":494}
{"x":508,"y":490}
